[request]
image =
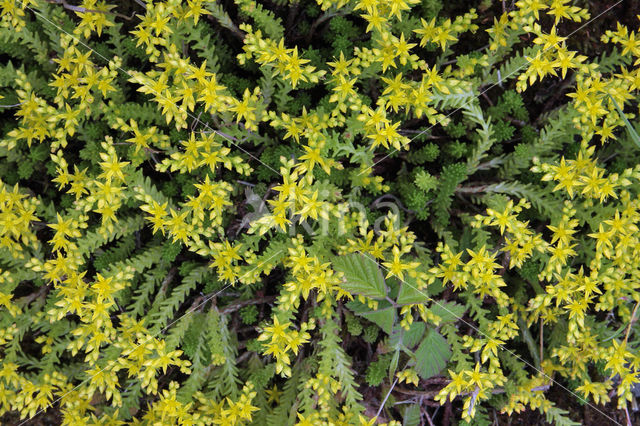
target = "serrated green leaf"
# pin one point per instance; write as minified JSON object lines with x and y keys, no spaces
{"x":432,"y":355}
{"x":361,"y":275}
{"x":358,"y":308}
{"x":414,"y":334}
{"x":411,"y":415}
{"x":384,"y":316}
{"x":447,"y":311}
{"x":410,"y":294}
{"x":407,"y":338}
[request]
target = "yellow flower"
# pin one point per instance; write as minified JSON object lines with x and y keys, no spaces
{"x":408,"y":376}
{"x":396,"y":267}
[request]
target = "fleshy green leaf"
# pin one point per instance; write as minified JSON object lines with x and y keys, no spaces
{"x":632,"y":131}
{"x":393,"y":365}
{"x":361,"y":275}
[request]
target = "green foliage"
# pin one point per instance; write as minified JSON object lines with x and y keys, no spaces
{"x":334,"y":362}
{"x":354,"y":326}
{"x":264,"y":19}
{"x":410,"y":294}
{"x":384,"y":315}
{"x":249,"y":314}
{"x":452,"y":175}
{"x":427,"y":153}
{"x":361,"y":275}
{"x":370,"y":334}
{"x":432,"y":355}
{"x":632,"y":131}
{"x":377,"y":370}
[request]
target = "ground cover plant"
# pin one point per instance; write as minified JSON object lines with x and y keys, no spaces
{"x":319,"y":212}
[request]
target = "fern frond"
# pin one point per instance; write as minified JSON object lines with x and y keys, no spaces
{"x":119,"y":252}
{"x":225,"y":378}
{"x":94,"y":239}
{"x":142,"y":295}
{"x":559,"y":131}
{"x":452,"y":175}
{"x":511,"y":68}
{"x":166,"y":309}
{"x":284,"y":413}
{"x":264,"y":19}
{"x":335,"y":362}
{"x":485,"y":134}
{"x":544,"y":202}
{"x":223,"y":18}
